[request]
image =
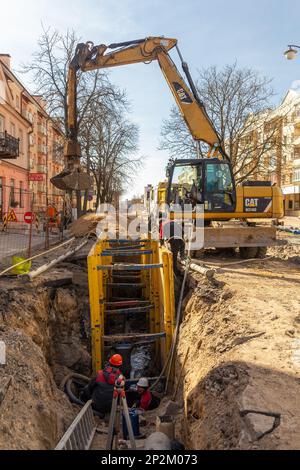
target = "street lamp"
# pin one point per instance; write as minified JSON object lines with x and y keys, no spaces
{"x":291,"y":53}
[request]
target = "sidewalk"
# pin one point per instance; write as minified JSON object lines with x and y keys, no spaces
{"x":17,"y":243}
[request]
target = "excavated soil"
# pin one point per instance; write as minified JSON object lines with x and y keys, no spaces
{"x":241,"y":387}
{"x":240,"y":383}
{"x":43,"y":328}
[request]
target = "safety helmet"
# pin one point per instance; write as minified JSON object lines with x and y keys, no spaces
{"x":143,"y":382}
{"x":116,"y":360}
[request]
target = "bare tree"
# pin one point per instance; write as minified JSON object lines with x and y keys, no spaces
{"x":238,"y":103}
{"x":96,"y":96}
{"x":49,"y":73}
{"x":110,"y":144}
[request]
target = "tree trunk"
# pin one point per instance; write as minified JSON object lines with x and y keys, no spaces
{"x":78,"y":200}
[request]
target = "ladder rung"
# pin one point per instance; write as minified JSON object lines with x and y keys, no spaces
{"x":125,"y":284}
{"x":128,"y":267}
{"x":126,"y":247}
{"x":126,"y":298}
{"x":128,"y":276}
{"x":141,"y":309}
{"x":126,"y":253}
{"x":133,"y":337}
{"x":126,"y":302}
{"x":127,"y":240}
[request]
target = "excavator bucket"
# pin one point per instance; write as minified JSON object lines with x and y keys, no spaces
{"x":75,"y":179}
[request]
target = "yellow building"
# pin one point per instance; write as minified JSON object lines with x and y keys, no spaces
{"x":280,"y":161}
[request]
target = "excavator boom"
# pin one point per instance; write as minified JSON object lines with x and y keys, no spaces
{"x":156,"y":48}
{"x":89,"y":57}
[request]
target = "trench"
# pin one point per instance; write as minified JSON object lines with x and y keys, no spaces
{"x":53,"y":321}
{"x":50,"y":321}
{"x":232,"y":389}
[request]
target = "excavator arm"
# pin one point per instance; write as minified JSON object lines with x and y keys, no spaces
{"x":89,"y":57}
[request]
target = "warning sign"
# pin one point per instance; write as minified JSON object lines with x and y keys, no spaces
{"x":11,"y":216}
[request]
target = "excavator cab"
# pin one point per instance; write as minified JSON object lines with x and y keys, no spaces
{"x":207,"y":181}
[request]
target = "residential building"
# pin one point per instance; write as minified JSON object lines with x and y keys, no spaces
{"x":14,"y":156}
{"x":25,"y":124}
{"x":280,"y":159}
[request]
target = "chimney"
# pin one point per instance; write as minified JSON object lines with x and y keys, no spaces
{"x":5,"y":58}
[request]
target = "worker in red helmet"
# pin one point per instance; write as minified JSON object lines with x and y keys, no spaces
{"x":100,"y":388}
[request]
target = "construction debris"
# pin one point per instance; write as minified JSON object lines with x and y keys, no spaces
{"x":85,"y":225}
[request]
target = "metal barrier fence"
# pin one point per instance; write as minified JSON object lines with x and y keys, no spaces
{"x":80,"y":434}
{"x":27,"y":224}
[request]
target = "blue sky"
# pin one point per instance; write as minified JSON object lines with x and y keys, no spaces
{"x":211,"y":32}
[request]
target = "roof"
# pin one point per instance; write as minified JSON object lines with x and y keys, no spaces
{"x":28,"y":95}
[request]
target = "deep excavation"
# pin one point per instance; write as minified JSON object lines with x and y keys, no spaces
{"x":233,"y":361}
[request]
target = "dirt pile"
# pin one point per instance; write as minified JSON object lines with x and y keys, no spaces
{"x":244,"y":337}
{"x":85,"y":225}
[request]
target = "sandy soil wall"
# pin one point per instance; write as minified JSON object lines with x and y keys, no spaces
{"x":242,"y":376}
{"x":42,"y":330}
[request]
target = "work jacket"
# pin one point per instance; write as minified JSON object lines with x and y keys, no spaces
{"x":101,"y":388}
{"x":147,"y":401}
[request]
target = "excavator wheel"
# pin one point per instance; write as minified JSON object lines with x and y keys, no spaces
{"x":261,"y":252}
{"x":248,"y":252}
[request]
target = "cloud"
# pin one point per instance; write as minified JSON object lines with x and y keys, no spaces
{"x":295,"y":85}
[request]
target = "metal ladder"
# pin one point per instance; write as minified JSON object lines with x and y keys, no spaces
{"x":80,"y":434}
{"x":135,"y":280}
{"x":128,"y":278}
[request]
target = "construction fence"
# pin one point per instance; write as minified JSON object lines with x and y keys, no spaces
{"x":26,"y":224}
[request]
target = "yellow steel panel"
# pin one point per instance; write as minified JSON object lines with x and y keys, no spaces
{"x":95,"y":314}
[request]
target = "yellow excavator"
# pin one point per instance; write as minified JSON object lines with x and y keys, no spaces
{"x":207,"y":181}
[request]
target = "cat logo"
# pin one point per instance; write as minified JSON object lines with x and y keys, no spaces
{"x":251,"y":202}
{"x":257,"y":204}
{"x":182,"y":94}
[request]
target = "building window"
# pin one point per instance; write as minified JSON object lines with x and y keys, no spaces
{"x":12,"y":129}
{"x":21,"y":194}
{"x":12,"y":193}
{"x":21,"y":143}
{"x":1,"y":198}
{"x":296,"y":152}
{"x":17,"y":102}
{"x":296,"y":176}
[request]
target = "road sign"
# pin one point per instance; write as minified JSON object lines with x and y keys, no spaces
{"x":29,"y":217}
{"x":11,"y":216}
{"x":36,"y":177}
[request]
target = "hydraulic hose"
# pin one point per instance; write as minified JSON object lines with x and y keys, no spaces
{"x":67,"y":386}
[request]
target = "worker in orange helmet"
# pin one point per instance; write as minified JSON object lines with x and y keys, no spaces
{"x":100,"y":388}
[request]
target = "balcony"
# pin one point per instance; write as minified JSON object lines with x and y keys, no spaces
{"x":42,"y":149}
{"x":9,"y":146}
{"x":41,"y":169}
{"x":42,"y":129}
{"x":27,"y":115}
